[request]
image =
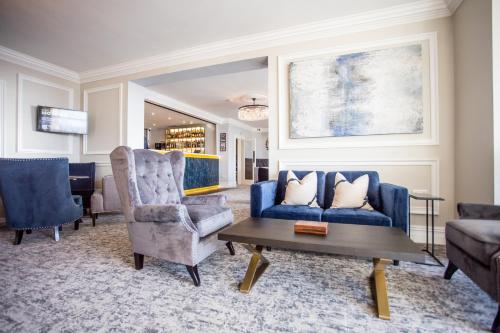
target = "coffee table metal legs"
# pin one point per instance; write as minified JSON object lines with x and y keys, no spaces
{"x":257,"y":266}
{"x":380,"y":295}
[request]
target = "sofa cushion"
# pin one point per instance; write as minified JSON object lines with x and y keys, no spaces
{"x":351,"y":195}
{"x":356,"y":216}
{"x":479,"y":238}
{"x":301,"y":192}
{"x":209,"y":218}
{"x":289,"y":212}
{"x":373,"y":187}
{"x":282,"y":182}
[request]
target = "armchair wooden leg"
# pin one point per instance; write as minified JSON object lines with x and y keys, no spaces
{"x":77,"y":224}
{"x":94,"y":217}
{"x":450,"y":270}
{"x":395,"y":262}
{"x":138,"y":260}
{"x":19,"y":237}
{"x":230,"y":247}
{"x":495,"y":328}
{"x":193,"y":271}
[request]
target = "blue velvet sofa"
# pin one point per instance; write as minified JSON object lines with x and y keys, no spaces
{"x":390,"y":202}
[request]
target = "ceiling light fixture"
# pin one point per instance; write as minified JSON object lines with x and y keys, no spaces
{"x":253,"y":112}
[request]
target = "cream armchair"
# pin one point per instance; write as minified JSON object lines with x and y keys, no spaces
{"x":161,"y":222}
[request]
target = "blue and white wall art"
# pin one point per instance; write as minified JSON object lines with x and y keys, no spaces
{"x":365,"y":93}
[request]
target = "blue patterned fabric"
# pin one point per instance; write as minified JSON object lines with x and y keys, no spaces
{"x":356,"y":216}
{"x":373,"y":186}
{"x":201,"y":172}
{"x":281,"y":190}
{"x":36,"y":193}
{"x":389,"y":201}
{"x":290,"y":212}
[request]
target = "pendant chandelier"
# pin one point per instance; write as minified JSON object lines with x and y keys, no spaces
{"x":253,"y":112}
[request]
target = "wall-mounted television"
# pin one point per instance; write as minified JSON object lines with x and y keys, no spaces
{"x":59,"y":120}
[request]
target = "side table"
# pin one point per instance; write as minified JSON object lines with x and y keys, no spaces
{"x":432,"y":199}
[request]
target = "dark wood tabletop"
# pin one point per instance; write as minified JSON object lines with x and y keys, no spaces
{"x":343,"y":239}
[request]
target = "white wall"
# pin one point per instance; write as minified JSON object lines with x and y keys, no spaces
{"x":261,"y":138}
{"x":21,"y":91}
{"x":473,"y":102}
{"x":495,"y":19}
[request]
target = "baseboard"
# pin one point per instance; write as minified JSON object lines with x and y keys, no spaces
{"x":228,"y":184}
{"x":417,"y":234}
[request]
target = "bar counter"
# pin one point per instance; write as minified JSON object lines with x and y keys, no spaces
{"x":201,"y":173}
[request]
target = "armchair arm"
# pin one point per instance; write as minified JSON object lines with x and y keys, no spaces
{"x":164,"y":214}
{"x":262,"y":196}
{"x":212,"y":199}
{"x":395,"y":204}
{"x":478,"y":211}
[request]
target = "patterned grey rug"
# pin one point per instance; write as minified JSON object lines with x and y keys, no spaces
{"x":87,"y":283}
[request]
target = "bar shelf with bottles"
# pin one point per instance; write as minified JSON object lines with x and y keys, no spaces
{"x":189,"y":139}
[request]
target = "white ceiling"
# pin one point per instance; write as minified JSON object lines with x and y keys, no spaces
{"x":159,"y":117}
{"x":219,"y":90}
{"x":85,"y":35}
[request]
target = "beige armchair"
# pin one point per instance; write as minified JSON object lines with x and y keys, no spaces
{"x":106,"y":200}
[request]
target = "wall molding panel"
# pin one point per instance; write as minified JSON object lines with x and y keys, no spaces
{"x":21,"y":148}
{"x":326,"y":165}
{"x":86,"y":93}
{"x":284,"y":140}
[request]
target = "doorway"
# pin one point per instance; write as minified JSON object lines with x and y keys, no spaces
{"x":245,"y":160}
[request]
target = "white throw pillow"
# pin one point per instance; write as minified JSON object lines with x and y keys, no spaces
{"x":349,"y":195}
{"x":301,"y":192}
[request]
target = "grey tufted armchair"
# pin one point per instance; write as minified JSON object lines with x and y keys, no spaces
{"x":161,"y":221}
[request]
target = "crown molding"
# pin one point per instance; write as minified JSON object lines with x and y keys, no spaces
{"x":376,"y":19}
{"x":38,"y":64}
{"x":453,"y":5}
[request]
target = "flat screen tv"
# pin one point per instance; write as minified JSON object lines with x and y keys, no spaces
{"x":58,"y":120}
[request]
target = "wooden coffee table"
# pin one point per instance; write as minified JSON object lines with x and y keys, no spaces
{"x":383,"y":244}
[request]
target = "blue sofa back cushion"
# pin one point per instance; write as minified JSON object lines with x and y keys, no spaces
{"x":281,"y":189}
{"x":373,"y":187}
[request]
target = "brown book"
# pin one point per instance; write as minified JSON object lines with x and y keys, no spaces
{"x":311,"y":227}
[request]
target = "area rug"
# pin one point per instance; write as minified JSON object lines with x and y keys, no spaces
{"x":86,"y":282}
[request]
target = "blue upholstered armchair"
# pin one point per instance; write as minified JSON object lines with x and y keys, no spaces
{"x":36,"y":195}
{"x":390,"y":202}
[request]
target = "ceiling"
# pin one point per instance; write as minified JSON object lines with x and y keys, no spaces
{"x":87,"y":35}
{"x":219,"y":89}
{"x":159,"y":117}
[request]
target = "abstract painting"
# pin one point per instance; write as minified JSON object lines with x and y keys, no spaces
{"x":366,"y":93}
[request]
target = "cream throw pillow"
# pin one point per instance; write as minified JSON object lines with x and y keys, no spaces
{"x":301,"y":192}
{"x":349,"y":195}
